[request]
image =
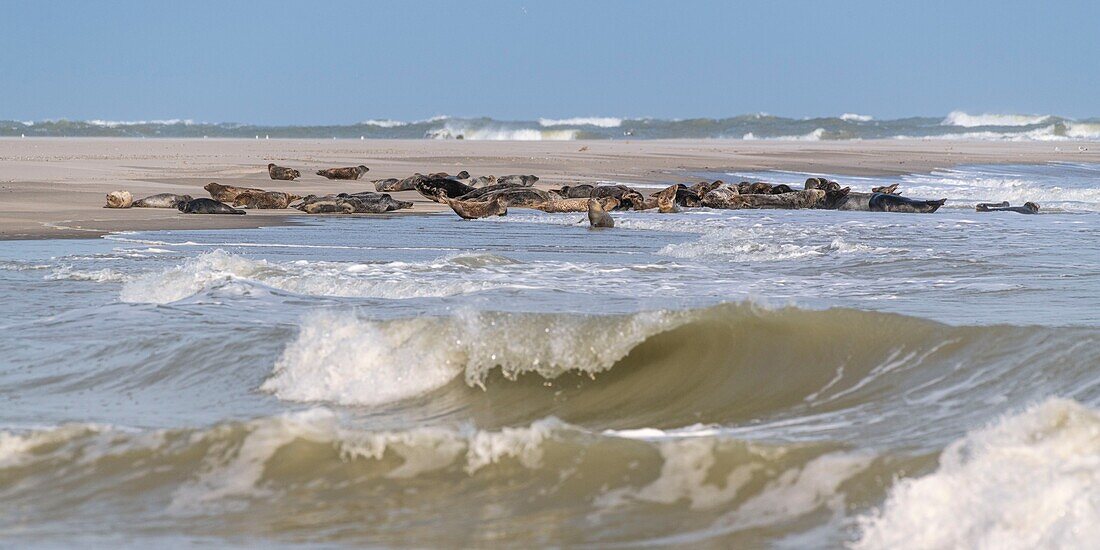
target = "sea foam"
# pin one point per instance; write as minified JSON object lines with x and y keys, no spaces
{"x":1032,"y":480}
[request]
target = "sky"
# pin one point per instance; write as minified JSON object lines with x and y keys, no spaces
{"x":337,"y":62}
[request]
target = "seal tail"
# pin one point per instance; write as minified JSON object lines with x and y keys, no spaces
{"x":936,"y":204}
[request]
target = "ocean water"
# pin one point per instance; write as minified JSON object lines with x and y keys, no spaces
{"x":848,"y":126}
{"x":787,"y":379}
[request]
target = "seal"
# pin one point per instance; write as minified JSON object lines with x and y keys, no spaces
{"x":270,"y":200}
{"x":794,"y":200}
{"x":280,"y":173}
{"x":472,"y":210}
{"x":515,"y":179}
{"x":1027,"y":208}
{"x":226,"y":193}
{"x":366,"y":202}
{"x":430,"y":188}
{"x":392,"y":185}
{"x":755,"y":188}
{"x":575,"y":205}
{"x":206,"y":206}
{"x":724,"y":196}
{"x":119,"y":199}
{"x":482,"y":181}
{"x":348,"y":173}
{"x":704,"y":187}
{"x":888,"y":189}
{"x":822,"y":184}
{"x":580,"y":191}
{"x":883,"y":202}
{"x":597,"y":216}
{"x":163,"y":200}
{"x":781,"y":188}
{"x":666,"y":200}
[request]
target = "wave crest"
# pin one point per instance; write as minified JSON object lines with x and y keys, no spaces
{"x":966,"y":120}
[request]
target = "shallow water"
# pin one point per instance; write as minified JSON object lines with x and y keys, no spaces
{"x":720,"y":378}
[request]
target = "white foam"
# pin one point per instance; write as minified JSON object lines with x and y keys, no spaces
{"x":1032,"y":480}
{"x":227,"y":479}
{"x":602,"y":122}
{"x":117,"y":123}
{"x":396,"y":280}
{"x":966,"y":120}
{"x":1083,"y":130}
{"x":815,"y":135}
{"x":385,"y":123}
{"x":852,"y":117}
{"x":67,"y":273}
{"x":763,"y":244}
{"x":341,"y":358}
{"x":456,"y":129}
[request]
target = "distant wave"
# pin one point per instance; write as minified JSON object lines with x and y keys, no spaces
{"x":754,"y":126}
{"x":966,"y":120}
{"x":602,"y":122}
{"x":852,"y":117}
{"x":116,"y":123}
{"x":384,"y":123}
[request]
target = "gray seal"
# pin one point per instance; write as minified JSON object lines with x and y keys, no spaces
{"x":163,"y":200}
{"x":207,"y":206}
{"x":885,"y":202}
{"x":1027,"y":208}
{"x":597,"y":216}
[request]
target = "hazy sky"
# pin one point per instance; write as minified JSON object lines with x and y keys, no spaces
{"x":342,"y":62}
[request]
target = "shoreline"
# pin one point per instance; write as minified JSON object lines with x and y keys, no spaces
{"x":55,"y":187}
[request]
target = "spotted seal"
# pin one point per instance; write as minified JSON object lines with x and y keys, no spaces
{"x":226,"y":193}
{"x":347,"y":173}
{"x":575,"y":205}
{"x":366,"y":202}
{"x":281,"y":173}
{"x":517,"y":179}
{"x":162,"y":200}
{"x":270,"y":200}
{"x":472,"y":210}
{"x":206,"y":206}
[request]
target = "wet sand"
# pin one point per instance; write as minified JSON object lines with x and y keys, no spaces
{"x":54,"y":188}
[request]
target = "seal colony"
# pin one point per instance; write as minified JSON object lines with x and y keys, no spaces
{"x":484,"y":196}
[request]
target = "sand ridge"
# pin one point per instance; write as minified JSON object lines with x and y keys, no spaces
{"x":55,"y":187}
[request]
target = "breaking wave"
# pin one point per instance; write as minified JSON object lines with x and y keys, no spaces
{"x":960,"y":118}
{"x":602,"y":122}
{"x":719,"y":365}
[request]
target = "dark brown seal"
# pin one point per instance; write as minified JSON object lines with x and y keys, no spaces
{"x":281,"y":173}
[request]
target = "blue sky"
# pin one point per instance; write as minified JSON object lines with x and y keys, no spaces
{"x":342,"y":62}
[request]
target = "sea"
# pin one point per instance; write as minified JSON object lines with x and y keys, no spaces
{"x":703,"y":379}
{"x":847,"y":126}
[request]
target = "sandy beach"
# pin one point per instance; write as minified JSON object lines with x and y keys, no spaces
{"x":54,"y":188}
